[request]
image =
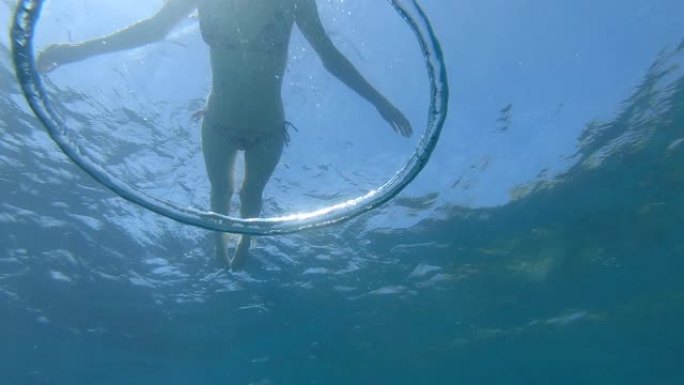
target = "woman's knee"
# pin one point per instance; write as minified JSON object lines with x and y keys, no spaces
{"x":251,"y":193}
{"x":222,"y":189}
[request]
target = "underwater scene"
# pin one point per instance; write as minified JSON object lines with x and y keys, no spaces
{"x":541,"y":244}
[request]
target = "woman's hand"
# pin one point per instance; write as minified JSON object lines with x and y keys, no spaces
{"x":56,"y":55}
{"x":396,"y":119}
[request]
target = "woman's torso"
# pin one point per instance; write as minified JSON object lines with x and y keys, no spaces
{"x":249,"y":43}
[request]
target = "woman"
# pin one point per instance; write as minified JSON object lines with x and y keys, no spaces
{"x":248,"y":42}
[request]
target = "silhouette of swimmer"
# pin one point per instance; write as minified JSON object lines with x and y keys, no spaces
{"x":248,"y":42}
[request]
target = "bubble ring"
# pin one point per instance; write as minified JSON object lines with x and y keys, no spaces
{"x":25,"y":21}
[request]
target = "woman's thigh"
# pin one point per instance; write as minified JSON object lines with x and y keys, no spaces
{"x":261,"y":160}
{"x":219,"y":153}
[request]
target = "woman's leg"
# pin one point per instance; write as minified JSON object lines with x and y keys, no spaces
{"x":260,"y":161}
{"x":219,"y":159}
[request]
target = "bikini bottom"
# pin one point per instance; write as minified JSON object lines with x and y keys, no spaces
{"x":245,"y":143}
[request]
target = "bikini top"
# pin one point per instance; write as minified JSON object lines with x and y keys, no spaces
{"x":218,"y":31}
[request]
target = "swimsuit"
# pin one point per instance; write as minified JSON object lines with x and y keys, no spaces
{"x":218,"y":33}
{"x":244,"y":142}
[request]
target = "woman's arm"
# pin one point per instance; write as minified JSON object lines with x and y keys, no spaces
{"x":143,"y":32}
{"x":337,"y":64}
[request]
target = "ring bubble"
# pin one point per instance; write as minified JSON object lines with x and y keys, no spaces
{"x":25,"y":21}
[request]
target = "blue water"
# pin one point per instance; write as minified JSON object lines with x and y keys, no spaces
{"x":541,"y":245}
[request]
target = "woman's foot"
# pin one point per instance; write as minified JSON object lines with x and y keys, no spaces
{"x":241,"y":254}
